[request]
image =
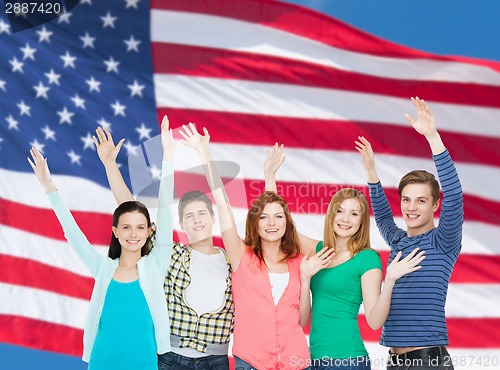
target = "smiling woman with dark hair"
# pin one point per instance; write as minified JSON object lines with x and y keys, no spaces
{"x":127,"y":323}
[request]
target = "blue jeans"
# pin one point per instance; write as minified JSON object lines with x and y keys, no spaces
{"x":243,"y":365}
{"x":174,"y":361}
{"x":351,"y":363}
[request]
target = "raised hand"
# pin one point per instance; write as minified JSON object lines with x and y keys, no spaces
{"x":41,"y":169}
{"x":274,"y":159}
{"x":425,"y":123}
{"x":398,"y":268}
{"x":167,"y":140}
{"x":193,"y":139}
{"x":106,"y":149}
{"x":364,"y":147}
{"x":309,"y":266}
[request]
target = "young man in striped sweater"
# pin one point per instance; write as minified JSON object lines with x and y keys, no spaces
{"x":415,"y":329}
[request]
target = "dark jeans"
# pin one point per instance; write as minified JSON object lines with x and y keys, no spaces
{"x":351,"y":363}
{"x":174,"y":361}
{"x":432,"y":358}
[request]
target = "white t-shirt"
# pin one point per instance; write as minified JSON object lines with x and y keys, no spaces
{"x":207,"y":290}
{"x":278,"y":284}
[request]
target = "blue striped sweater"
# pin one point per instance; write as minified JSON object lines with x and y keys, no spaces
{"x":417,"y":316}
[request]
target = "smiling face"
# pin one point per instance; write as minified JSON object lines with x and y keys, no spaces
{"x":348,"y":218}
{"x":132,"y":231}
{"x":418,"y":208}
{"x":272,"y":222}
{"x":197,"y":221}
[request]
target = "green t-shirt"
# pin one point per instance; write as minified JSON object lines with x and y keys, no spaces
{"x":336,"y":298}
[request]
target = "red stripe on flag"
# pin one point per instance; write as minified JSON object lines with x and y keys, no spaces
{"x":227,"y":64}
{"x":300,"y":21}
{"x":41,"y":221}
{"x":33,"y":274}
{"x":226,"y":127}
{"x":483,"y":335}
{"x":41,"y":335}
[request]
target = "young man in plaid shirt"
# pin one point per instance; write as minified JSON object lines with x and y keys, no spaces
{"x":198,"y":290}
{"x":197,"y":283}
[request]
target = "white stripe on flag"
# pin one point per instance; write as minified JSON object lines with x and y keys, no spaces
{"x":212,"y":31}
{"x":42,"y":305}
{"x":287,"y":100}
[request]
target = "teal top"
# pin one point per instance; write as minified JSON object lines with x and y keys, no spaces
{"x":125,"y":318}
{"x":336,"y":298}
{"x":151,"y":268}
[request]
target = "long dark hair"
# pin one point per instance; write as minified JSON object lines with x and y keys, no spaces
{"x":115,"y":249}
{"x":289,"y":242}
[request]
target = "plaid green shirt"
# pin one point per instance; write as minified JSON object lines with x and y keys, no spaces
{"x":195,"y":332}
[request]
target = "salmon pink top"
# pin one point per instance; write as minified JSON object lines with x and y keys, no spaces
{"x":266,"y":335}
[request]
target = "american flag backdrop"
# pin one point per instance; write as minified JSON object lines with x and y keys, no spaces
{"x":253,"y":72}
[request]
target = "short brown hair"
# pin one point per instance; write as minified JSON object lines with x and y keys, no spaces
{"x":290,"y":244}
{"x":194,"y":196}
{"x":420,"y":177}
{"x":360,"y":240}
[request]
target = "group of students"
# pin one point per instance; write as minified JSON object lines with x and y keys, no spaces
{"x":162,"y":305}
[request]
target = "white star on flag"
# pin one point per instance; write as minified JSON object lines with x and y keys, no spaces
{"x":144,"y":132}
{"x":132,"y":3}
{"x":135,"y":89}
{"x":37,"y":145}
{"x":75,"y":158}
{"x":79,"y":102}
{"x":12,"y":122}
{"x":132,"y":44}
{"x":64,"y":18}
{"x":118,"y":108}
{"x":4,"y":27}
{"x":28,"y":52}
{"x":131,"y":148}
{"x":49,"y":134}
{"x":88,"y":41}
{"x":88,"y":142}
{"x":44,"y":35}
{"x":53,"y":77}
{"x":93,"y":84}
{"x":68,"y":59}
{"x":16,"y":65}
{"x":41,"y":90}
{"x":112,"y":65}
{"x":155,"y":172}
{"x":108,"y":20}
{"x":65,"y":116}
{"x":25,"y":109}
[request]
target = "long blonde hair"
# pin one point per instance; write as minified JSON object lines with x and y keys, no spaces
{"x":360,"y":240}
